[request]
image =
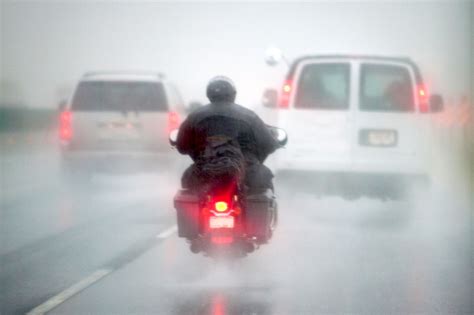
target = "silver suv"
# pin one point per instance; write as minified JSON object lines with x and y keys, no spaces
{"x":118,"y":119}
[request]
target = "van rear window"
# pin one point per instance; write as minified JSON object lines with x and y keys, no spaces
{"x":386,"y":88}
{"x":119,"y":96}
{"x":323,"y":86}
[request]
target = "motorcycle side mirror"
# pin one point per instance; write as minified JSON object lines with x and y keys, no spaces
{"x":173,"y":137}
{"x":279,"y":135}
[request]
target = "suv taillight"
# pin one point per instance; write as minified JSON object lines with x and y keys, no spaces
{"x":173,"y":121}
{"x":65,"y":126}
{"x":284,"y":101}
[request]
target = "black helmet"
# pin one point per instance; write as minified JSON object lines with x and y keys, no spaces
{"x":221,"y":88}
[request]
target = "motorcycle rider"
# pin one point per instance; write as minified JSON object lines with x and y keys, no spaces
{"x":231,"y":128}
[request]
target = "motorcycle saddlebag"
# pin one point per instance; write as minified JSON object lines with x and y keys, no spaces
{"x":260,"y":209}
{"x":186,"y":204}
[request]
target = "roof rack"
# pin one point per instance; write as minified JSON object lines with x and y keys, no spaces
{"x":355,"y":56}
{"x":159,"y":75}
{"x":407,"y":60}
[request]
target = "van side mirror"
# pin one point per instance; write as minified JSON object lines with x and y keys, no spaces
{"x":436,"y":103}
{"x":269,"y":98}
{"x":273,"y":55}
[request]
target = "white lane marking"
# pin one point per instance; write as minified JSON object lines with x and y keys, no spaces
{"x":69,"y":292}
{"x":84,"y":283}
{"x":168,"y":232}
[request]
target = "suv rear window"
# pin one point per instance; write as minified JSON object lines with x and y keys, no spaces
{"x":119,"y":96}
{"x":323,"y":86}
{"x":386,"y":88}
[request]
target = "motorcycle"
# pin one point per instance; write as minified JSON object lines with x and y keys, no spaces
{"x":226,"y":221}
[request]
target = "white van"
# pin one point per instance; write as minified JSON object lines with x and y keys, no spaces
{"x":116,"y":117}
{"x":354,"y":114}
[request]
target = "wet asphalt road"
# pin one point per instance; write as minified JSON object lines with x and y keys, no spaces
{"x":328,"y":256}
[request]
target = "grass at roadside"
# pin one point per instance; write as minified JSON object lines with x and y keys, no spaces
{"x":19,"y":120}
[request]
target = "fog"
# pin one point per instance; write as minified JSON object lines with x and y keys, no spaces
{"x":88,"y":223}
{"x":48,"y":45}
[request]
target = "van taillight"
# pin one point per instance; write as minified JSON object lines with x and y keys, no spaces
{"x":422,"y":95}
{"x":285,"y":94}
{"x":173,"y":121}
{"x":65,"y":126}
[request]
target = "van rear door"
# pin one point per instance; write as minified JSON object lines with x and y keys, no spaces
{"x":389,"y":131}
{"x":318,"y":117}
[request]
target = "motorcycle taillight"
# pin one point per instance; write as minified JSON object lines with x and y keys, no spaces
{"x":221,"y":206}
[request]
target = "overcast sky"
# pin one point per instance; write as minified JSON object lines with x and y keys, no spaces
{"x":46,"y":45}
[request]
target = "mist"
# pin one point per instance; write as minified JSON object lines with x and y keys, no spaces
{"x":47,"y":46}
{"x":374,"y":206}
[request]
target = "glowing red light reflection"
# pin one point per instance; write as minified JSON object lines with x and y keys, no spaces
{"x":65,"y":129}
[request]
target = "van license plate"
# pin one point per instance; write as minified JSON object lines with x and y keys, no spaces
{"x":221,"y":222}
{"x":382,"y":138}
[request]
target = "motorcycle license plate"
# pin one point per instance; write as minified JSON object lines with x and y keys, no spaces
{"x":221,"y":222}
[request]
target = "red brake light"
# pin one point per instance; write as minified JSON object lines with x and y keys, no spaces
{"x":173,"y":121}
{"x":222,"y":239}
{"x":237,"y":210}
{"x":65,"y":128}
{"x":422,"y":95}
{"x":221,"y":206}
{"x":285,"y":94}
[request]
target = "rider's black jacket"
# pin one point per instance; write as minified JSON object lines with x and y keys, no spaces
{"x":226,"y":119}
